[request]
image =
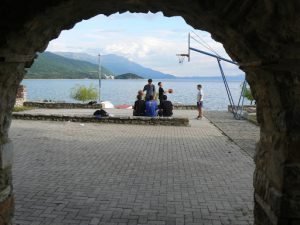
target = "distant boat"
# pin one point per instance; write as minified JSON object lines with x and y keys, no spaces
{"x":107,"y":105}
{"x":123,"y":106}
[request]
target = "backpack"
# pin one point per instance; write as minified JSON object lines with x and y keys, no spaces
{"x":101,"y":113}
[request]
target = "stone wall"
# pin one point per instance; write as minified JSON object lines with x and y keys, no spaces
{"x":139,"y":120}
{"x":277,"y":173}
{"x":247,"y":108}
{"x":62,"y":105}
{"x":184,"y":107}
{"x":65,"y":105}
{"x":21,"y":95}
{"x":8,"y":91}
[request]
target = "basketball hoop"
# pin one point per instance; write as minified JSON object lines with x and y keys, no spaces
{"x":181,"y":57}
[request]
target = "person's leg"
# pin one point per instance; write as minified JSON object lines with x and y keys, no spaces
{"x":201,"y":110}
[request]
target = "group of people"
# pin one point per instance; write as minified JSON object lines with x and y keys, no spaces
{"x":148,"y":106}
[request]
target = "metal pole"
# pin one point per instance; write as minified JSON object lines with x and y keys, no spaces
{"x":227,"y":90}
{"x":242,"y":92}
{"x":99,"y":76}
{"x":242,"y":97}
{"x":212,"y":55}
{"x":189,"y":48}
{"x":242,"y":105}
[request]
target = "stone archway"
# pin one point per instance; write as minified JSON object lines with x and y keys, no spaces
{"x":263,"y":36}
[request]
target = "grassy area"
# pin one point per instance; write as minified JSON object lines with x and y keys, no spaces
{"x":21,"y":108}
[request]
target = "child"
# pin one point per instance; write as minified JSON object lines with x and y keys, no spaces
{"x":200,"y":101}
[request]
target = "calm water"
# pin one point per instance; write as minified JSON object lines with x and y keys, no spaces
{"x":124,"y":91}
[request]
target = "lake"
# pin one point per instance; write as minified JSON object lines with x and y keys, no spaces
{"x":125,"y":91}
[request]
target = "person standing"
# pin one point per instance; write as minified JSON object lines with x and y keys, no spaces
{"x":150,"y":89}
{"x":200,"y":101}
{"x":161,"y":92}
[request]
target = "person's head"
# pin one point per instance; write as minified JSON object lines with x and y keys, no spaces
{"x":160,"y":84}
{"x":199,"y":86}
{"x":149,"y":81}
{"x":165,"y":97}
{"x":140,"y":92}
{"x":139,"y":97}
{"x":151,"y":97}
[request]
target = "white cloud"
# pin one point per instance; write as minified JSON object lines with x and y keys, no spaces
{"x":155,"y":48}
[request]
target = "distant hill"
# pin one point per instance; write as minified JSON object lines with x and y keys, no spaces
{"x":128,"y":76}
{"x":118,"y":65}
{"x":51,"y":66}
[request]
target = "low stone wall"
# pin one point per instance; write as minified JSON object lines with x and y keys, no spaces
{"x":249,"y":113}
{"x":165,"y":121}
{"x":247,"y":108}
{"x":185,"y":107}
{"x":65,"y":105}
{"x":61,"y":105}
{"x":251,"y":117}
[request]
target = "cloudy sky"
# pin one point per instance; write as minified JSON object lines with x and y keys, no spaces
{"x":151,"y":40}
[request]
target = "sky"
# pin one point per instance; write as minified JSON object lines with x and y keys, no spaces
{"x":151,"y":40}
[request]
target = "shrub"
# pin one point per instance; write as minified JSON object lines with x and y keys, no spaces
{"x":248,"y":94}
{"x":21,"y":108}
{"x":83,"y":93}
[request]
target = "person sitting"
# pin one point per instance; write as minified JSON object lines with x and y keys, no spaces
{"x":166,"y":107}
{"x":141,"y":93}
{"x":151,"y":107}
{"x":139,"y":106}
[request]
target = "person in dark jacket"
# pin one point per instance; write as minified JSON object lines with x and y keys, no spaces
{"x":161,"y":92}
{"x":166,"y":107}
{"x":150,"y":90}
{"x":139,"y":106}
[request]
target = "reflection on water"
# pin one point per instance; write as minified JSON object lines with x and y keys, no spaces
{"x":124,"y":91}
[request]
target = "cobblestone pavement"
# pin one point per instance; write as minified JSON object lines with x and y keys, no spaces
{"x":72,"y":173}
{"x":244,"y":133}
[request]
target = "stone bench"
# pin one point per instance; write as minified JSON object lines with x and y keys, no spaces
{"x":165,"y":121}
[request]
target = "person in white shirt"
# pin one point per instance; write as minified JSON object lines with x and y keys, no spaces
{"x":200,"y":101}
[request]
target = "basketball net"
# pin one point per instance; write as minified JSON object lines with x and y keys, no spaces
{"x":181,"y":58}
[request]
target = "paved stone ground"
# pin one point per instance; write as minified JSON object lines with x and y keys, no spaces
{"x":72,"y":173}
{"x":244,"y":133}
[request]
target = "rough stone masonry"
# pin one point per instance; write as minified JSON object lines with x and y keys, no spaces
{"x":262,"y":36}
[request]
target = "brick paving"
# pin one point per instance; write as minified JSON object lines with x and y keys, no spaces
{"x":244,"y":133}
{"x":72,"y":173}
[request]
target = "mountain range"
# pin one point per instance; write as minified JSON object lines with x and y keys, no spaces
{"x":51,"y":66}
{"x":118,"y":65}
{"x":68,"y":65}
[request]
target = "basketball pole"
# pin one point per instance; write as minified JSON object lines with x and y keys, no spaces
{"x":219,"y":59}
{"x":189,"y":46}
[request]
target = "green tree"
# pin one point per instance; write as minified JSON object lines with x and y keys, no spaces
{"x":248,"y":94}
{"x":83,"y":93}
